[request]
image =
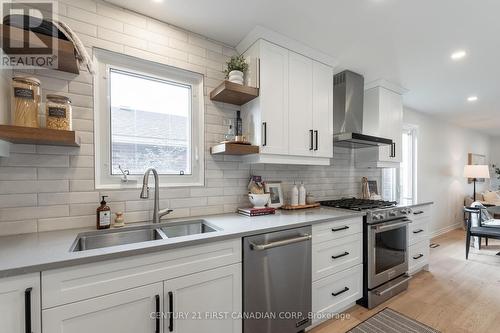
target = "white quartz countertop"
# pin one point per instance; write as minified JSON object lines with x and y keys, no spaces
{"x":36,"y":252}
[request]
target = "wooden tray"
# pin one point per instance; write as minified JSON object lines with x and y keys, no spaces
{"x":290,"y":207}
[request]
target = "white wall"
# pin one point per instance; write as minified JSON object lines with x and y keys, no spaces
{"x":495,"y":159}
{"x":442,"y":154}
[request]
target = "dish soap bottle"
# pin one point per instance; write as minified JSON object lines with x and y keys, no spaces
{"x":294,"y":200}
{"x":302,"y":194}
{"x":103,"y":215}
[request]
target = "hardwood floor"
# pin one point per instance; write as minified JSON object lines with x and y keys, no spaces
{"x":455,"y":296}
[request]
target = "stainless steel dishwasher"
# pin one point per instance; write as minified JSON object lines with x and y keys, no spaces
{"x":277,"y":281}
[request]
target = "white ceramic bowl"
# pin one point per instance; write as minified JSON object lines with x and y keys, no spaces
{"x":259,"y":200}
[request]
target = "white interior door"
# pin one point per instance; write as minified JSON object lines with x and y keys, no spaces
{"x":16,"y":294}
{"x":323,"y":110}
{"x":300,"y":116}
{"x":274,"y":98}
{"x":208,"y":299}
{"x":129,"y":311}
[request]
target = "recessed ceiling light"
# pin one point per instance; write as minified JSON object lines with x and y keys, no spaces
{"x":157,"y":1}
{"x":457,"y":55}
{"x":472,"y":98}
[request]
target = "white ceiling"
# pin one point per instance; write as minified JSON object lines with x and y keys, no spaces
{"x":406,"y":42}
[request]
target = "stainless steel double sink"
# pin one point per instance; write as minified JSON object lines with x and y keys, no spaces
{"x":145,"y":233}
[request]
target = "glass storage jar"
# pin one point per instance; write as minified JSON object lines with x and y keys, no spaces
{"x":58,"y":112}
{"x":25,"y":101}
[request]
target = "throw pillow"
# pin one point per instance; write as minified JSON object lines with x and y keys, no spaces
{"x":491,"y":196}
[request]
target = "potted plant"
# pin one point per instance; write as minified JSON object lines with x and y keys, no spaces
{"x":236,"y":66}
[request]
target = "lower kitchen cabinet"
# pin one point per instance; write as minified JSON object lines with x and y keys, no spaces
{"x":335,"y":293}
{"x":204,"y":302}
{"x":129,"y":311}
{"x":20,"y":304}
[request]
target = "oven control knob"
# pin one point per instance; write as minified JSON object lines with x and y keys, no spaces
{"x":392,"y":214}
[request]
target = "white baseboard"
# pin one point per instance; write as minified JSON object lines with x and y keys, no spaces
{"x":446,"y":229}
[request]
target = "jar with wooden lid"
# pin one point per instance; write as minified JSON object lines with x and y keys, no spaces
{"x":58,"y":112}
{"x":25,"y":101}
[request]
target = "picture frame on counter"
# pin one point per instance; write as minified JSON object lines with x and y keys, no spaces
{"x":276,"y":199}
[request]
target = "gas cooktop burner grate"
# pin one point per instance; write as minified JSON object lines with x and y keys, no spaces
{"x":358,"y":204}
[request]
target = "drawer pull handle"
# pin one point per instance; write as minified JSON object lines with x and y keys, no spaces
{"x":418,"y":231}
{"x":340,"y":292}
{"x":341,"y":255}
{"x":340,"y":229}
{"x":157,"y":309}
{"x":418,"y":257}
{"x":27,"y":310}
{"x":418,"y":212}
{"x":170,"y":311}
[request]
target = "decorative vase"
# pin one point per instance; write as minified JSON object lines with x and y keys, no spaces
{"x":236,"y":77}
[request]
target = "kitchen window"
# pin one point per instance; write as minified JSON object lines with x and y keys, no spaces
{"x":401,"y":184}
{"x":147,"y":115}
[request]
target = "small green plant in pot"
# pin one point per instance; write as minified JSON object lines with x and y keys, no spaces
{"x":236,"y":66}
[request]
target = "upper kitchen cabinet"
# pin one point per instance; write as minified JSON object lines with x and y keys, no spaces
{"x":383,"y":117}
{"x":291,"y":120}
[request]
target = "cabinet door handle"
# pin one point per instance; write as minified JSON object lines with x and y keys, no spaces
{"x":418,"y":213}
{"x":170,"y":311}
{"x":418,"y":231}
{"x":340,"y":292}
{"x":418,"y":257}
{"x":27,"y":310}
{"x":264,"y":129}
{"x":157,"y":309}
{"x":316,"y":137}
{"x":340,"y":229}
{"x":311,"y":140}
{"x":393,"y":149}
{"x":341,"y":255}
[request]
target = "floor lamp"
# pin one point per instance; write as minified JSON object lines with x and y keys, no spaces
{"x":476,"y":172}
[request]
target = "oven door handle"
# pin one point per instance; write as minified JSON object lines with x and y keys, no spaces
{"x":390,"y":226}
{"x":261,"y":247}
{"x":385,"y":291}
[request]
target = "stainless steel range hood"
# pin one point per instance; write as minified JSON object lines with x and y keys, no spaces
{"x":348,"y":94}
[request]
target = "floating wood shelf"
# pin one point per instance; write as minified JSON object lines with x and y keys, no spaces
{"x":66,"y":56}
{"x":233,"y":93}
{"x":234,"y":149}
{"x":38,"y":136}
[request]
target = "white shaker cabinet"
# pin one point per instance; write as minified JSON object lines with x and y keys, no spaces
{"x":266,"y":117}
{"x":292,"y":119}
{"x":300,"y":120}
{"x":383,"y":117}
{"x":128,"y":311}
{"x":209,"y":300}
{"x":20,"y":304}
{"x":323,"y":110}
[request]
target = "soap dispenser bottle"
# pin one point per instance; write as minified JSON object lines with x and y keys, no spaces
{"x":103,"y":215}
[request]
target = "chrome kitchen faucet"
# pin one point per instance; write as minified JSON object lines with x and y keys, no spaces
{"x":157,"y":213}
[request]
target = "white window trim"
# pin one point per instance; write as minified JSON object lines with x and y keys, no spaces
{"x":104,"y":60}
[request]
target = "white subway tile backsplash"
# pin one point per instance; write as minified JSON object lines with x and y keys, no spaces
{"x":18,"y":227}
{"x":18,"y":200}
{"x":26,"y":213}
{"x":99,"y":20}
{"x":16,"y":173}
{"x":46,"y":188}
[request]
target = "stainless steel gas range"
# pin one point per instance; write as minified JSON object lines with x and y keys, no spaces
{"x":385,"y":247}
